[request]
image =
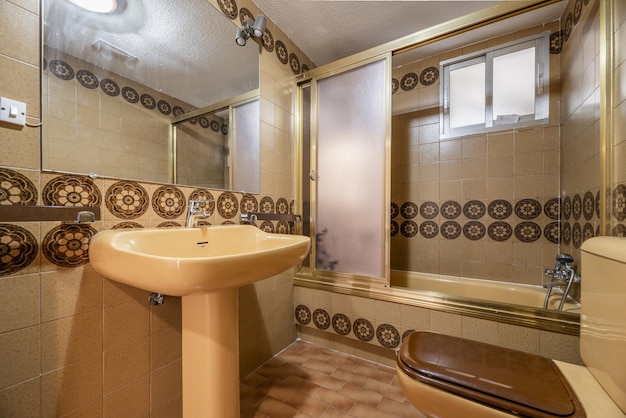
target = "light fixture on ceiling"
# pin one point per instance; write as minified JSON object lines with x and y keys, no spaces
{"x":251,"y":28}
{"x":99,"y":6}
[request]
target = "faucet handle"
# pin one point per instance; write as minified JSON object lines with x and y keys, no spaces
{"x":196,"y":204}
{"x":564,"y":258}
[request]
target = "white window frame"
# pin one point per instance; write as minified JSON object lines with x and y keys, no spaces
{"x":541,"y":43}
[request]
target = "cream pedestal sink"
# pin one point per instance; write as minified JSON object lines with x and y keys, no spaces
{"x":205,"y":266}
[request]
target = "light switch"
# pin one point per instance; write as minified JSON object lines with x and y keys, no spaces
{"x":12,"y":111}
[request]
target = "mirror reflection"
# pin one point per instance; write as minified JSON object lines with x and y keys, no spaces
{"x":484,"y":213}
{"x":113,"y":83}
{"x":226,"y":156}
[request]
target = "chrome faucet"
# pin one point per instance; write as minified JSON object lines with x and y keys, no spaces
{"x":562,"y":275}
{"x":196,"y":211}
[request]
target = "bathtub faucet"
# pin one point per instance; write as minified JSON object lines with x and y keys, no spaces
{"x":196,"y":211}
{"x":562,"y":275}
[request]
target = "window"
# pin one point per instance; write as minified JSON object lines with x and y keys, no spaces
{"x":499,"y":88}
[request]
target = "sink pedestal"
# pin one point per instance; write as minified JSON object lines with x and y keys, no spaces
{"x":211,"y":355}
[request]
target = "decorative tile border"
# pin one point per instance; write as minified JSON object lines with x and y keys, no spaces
{"x":362,"y":329}
{"x":64,"y":71}
{"x":16,"y":189}
{"x":430,"y":75}
{"x":18,"y":248}
{"x":124,"y":201}
{"x":498,"y":219}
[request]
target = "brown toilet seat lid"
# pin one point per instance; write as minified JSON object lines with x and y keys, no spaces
{"x":527,"y":384}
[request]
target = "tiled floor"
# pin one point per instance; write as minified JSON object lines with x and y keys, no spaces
{"x":306,"y":380}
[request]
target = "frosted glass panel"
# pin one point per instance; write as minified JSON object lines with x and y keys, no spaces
{"x":467,"y":96}
{"x":246,"y":161}
{"x":514,"y":83}
{"x":350,"y":171}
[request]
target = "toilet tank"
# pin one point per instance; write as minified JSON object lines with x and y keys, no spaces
{"x":603,"y":314}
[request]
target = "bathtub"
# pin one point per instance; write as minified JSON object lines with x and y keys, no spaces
{"x":490,"y":290}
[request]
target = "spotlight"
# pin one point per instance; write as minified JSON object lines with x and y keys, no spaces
{"x":259,"y":26}
{"x":251,"y":28}
{"x":241,"y":37}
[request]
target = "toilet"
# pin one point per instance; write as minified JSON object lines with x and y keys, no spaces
{"x":450,"y":377}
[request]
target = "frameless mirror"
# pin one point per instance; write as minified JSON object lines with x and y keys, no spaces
{"x":114,"y":82}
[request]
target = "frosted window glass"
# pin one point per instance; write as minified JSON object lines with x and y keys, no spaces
{"x":246,"y":161}
{"x":350,"y":171}
{"x":514,"y":83}
{"x":467,"y":96}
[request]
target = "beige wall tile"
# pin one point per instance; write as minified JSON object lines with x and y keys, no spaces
{"x":446,"y":323}
{"x":70,"y":340}
{"x":67,"y":389}
{"x":20,"y":359}
{"x":481,"y":330}
{"x":22,"y":400}
{"x":123,"y":320}
{"x":19,"y":302}
{"x":132,"y":400}
{"x":172,"y":408}
{"x":165,"y":347}
{"x":559,"y":347}
{"x":167,"y":315}
{"x":519,"y":338}
{"x":20,"y":82}
{"x":413,"y":317}
{"x":91,"y":409}
{"x":126,"y":363}
{"x":30,"y":5}
{"x":165,"y":384}
{"x":115,"y":293}
{"x":20,"y":147}
{"x":70,"y":292}
{"x":15,"y":40}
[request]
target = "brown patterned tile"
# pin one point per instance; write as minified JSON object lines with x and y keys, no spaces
{"x":351,"y":377}
{"x":400,"y":409}
{"x":365,"y":410}
{"x":326,"y":381}
{"x":308,"y":405}
{"x":344,"y":386}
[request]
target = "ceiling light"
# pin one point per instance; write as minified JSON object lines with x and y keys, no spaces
{"x":251,"y":28}
{"x":98,"y":6}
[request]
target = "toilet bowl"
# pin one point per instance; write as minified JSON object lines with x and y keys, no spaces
{"x":445,"y":376}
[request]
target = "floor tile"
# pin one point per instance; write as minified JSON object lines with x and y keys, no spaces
{"x":309,"y":381}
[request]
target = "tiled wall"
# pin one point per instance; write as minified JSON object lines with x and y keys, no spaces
{"x":373,"y":329}
{"x":483,"y":206}
{"x":580,"y":130}
{"x":73,"y":343}
{"x":100,"y":122}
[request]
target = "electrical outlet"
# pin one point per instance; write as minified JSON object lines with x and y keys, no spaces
{"x":12,"y":111}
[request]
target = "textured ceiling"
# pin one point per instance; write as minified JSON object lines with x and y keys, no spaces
{"x":327,"y":30}
{"x":186,"y":48}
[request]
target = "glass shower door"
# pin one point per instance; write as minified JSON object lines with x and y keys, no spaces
{"x":350,"y":175}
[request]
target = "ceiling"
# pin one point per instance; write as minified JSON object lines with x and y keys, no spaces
{"x":186,"y":48}
{"x":183,"y":48}
{"x":327,"y":30}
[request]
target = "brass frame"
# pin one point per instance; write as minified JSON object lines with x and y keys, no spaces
{"x":562,"y":322}
{"x":222,"y":105}
{"x":312,"y":82}
{"x":607,"y":134}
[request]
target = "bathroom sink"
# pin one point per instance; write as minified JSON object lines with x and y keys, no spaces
{"x":188,"y":261}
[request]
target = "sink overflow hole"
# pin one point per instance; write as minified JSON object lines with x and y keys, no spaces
{"x":203,"y":242}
